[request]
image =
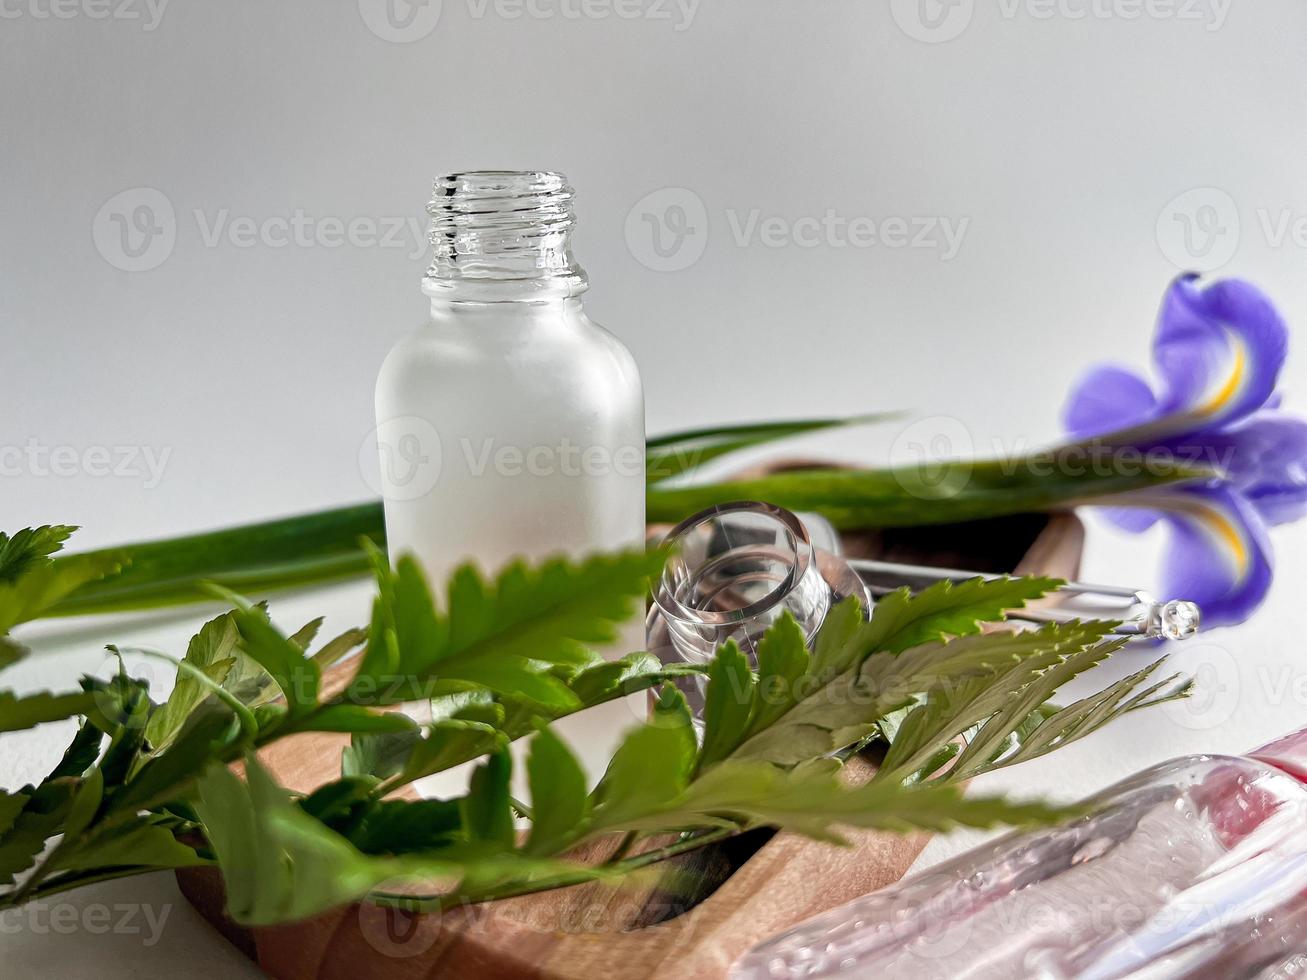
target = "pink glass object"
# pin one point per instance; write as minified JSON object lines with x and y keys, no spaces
{"x":1196,"y":868}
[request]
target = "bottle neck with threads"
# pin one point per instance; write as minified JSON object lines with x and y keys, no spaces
{"x":502,"y":236}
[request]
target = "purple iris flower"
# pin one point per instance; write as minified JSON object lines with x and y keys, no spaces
{"x":1218,"y":352}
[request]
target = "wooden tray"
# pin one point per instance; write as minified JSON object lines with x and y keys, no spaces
{"x":749,"y":887}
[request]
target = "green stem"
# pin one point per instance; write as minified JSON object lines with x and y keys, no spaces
{"x":623,"y":847}
{"x":426,"y":903}
{"x":249,"y":725}
{"x":73,"y":880}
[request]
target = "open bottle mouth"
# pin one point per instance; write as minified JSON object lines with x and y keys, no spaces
{"x":502,"y":226}
{"x":734,"y":570}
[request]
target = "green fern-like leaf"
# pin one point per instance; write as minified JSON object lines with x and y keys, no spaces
{"x":496,"y":635}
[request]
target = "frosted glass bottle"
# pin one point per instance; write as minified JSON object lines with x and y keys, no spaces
{"x":1195,"y":869}
{"x":510,"y":424}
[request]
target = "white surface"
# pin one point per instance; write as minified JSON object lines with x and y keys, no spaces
{"x":1064,"y":144}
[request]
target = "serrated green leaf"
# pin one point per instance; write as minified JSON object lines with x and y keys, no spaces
{"x":407,"y":826}
{"x":520,"y":678}
{"x":122,"y":706}
{"x":728,"y":703}
{"x":808,"y":714}
{"x":143,"y":845}
{"x":213,"y":651}
{"x":631,"y":674}
{"x":297,"y":677}
{"x":350,"y":718}
{"x":496,"y":635}
{"x":783,"y":662}
{"x":487,"y":810}
{"x":1054,"y":654}
{"x":852,"y":705}
{"x":25,"y":549}
{"x":42,"y":583}
{"x":451,"y":742}
{"x":652,"y":765}
{"x":560,"y":806}
{"x":11,"y":805}
{"x":86,"y":803}
{"x":210,"y":727}
{"x":341,"y":804}
{"x":814,"y":801}
{"x":303,"y":637}
{"x":11,"y":651}
{"x":1063,"y":726}
{"x":380,"y":755}
{"x":42,"y":817}
{"x":902,"y":619}
{"x":337,"y":649}
{"x":21,"y":713}
{"x":281,"y":865}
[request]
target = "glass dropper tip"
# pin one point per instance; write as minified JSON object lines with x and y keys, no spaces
{"x":1179,"y":619}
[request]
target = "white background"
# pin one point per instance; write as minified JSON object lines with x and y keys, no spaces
{"x":1064,"y":139}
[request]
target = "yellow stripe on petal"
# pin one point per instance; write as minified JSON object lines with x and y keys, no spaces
{"x":1223,"y":529}
{"x":1238,"y":371}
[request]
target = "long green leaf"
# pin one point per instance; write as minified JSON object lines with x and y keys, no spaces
{"x":324,"y":546}
{"x":893,"y":498}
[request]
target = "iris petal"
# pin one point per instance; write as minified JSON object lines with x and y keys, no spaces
{"x":1136,"y":520}
{"x":1219,"y":349}
{"x":1108,"y":399}
{"x":1265,"y":457}
{"x":1219,"y":555}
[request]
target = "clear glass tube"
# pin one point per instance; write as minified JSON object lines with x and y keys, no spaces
{"x":1196,"y":868}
